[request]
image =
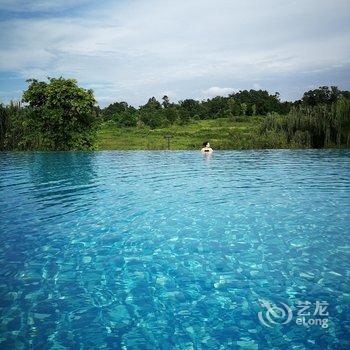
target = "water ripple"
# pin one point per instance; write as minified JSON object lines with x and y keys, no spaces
{"x":172,"y":250}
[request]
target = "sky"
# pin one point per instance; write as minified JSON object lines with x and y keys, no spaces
{"x":130,"y":50}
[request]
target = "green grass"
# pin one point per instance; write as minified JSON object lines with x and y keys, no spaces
{"x":222,"y":134}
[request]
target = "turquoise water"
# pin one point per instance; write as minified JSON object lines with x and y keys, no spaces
{"x":174,"y":250}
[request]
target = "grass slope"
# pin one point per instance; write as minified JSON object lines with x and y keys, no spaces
{"x":222,"y":134}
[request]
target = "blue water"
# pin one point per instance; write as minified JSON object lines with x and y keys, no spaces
{"x":173,"y":250}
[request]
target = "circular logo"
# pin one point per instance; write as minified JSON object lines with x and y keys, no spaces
{"x":274,"y":314}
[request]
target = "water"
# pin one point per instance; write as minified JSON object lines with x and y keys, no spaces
{"x":173,"y":250}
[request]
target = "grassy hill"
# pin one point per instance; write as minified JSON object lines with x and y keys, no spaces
{"x":221,"y":133}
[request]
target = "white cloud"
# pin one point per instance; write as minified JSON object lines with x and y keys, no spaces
{"x":218,"y":91}
{"x":136,"y":49}
{"x":257,"y":86}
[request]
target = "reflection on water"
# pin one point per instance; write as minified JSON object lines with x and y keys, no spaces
{"x":141,"y":250}
{"x":207,"y":157}
{"x":62,"y":177}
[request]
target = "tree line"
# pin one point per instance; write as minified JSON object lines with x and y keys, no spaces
{"x":57,"y":114}
{"x":156,"y":114}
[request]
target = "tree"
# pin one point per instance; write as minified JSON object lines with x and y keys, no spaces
{"x":323,"y":94}
{"x":4,"y":122}
{"x":63,"y":112}
{"x":166,"y":101}
{"x":192,"y":108}
{"x":254,"y":109}
{"x":263,"y":101}
{"x":184,"y":116}
{"x":125,"y":119}
{"x":153,"y":119}
{"x":151,"y":105}
{"x":233,"y":107}
{"x":214,"y":105}
{"x":151,"y":114}
{"x":323,"y":125}
{"x":171,"y":114}
{"x":244,"y":108}
{"x":115,"y":108}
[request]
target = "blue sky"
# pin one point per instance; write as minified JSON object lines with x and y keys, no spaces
{"x":131,"y":50}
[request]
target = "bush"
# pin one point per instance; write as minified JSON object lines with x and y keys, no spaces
{"x":319,"y":126}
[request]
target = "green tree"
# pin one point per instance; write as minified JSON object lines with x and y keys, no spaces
{"x":323,"y":94}
{"x":234,"y":107}
{"x":115,"y":108}
{"x":215,"y":105}
{"x":151,"y":114}
{"x":63,"y":112}
{"x":317,"y":126}
{"x":244,"y":108}
{"x":192,"y":108}
{"x":125,"y":119}
{"x":253,"y":109}
{"x":151,"y":105}
{"x":184,"y":116}
{"x":171,"y":114}
{"x":166,"y":102}
{"x":152,"y":118}
{"x":264,"y":102}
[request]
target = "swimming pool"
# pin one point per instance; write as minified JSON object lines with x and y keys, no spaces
{"x":175,"y":250}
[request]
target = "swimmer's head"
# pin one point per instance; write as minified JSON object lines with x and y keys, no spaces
{"x":206,"y":144}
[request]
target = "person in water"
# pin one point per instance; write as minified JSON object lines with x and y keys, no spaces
{"x":206,"y":147}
